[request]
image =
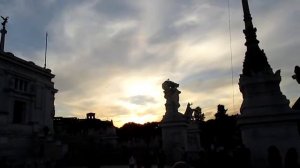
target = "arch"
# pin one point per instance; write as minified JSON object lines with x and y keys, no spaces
{"x":274,"y":157}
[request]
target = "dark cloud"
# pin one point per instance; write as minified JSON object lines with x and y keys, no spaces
{"x":115,"y":9}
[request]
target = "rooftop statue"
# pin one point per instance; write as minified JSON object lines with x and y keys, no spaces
{"x":189,"y":112}
{"x":221,"y":113}
{"x":296,"y":76}
{"x":3,"y":32}
{"x":4,"y":21}
{"x":198,"y":115}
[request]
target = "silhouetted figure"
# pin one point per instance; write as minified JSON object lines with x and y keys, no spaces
{"x":131,"y":161}
{"x":291,"y":159}
{"x":274,"y":157}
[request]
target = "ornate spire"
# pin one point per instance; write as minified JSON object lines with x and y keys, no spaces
{"x":255,"y":58}
{"x":3,"y":32}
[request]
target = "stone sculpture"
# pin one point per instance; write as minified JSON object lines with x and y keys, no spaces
{"x":171,"y":95}
{"x":4,"y":21}
{"x":296,"y":76}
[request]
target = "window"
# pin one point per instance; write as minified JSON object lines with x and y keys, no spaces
{"x":19,"y":112}
{"x":21,"y":85}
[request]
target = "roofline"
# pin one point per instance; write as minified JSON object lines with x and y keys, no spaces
{"x":11,"y":58}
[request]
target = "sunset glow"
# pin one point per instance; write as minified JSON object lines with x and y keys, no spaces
{"x":111,"y":57}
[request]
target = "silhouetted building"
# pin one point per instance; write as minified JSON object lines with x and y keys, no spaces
{"x":266,"y":118}
{"x":27,"y":93}
{"x":90,"y":141}
{"x":90,"y":116}
{"x":26,"y":108}
{"x":103,"y":131}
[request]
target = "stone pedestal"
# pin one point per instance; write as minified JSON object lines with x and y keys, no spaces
{"x":174,"y":139}
{"x":261,"y":136}
{"x":262,"y":95}
{"x":193,"y":137}
{"x":266,"y":119}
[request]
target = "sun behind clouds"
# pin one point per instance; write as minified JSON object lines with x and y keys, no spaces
{"x":141,"y":86}
{"x":143,"y":98}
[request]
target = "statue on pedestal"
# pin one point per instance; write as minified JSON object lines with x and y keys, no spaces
{"x":171,"y":95}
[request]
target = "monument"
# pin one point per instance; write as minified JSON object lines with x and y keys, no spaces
{"x":266,"y":120}
{"x":172,"y":101}
{"x":174,"y":124}
{"x":180,"y":135}
{"x":194,"y":118}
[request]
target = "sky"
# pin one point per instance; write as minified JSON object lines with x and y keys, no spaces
{"x":110,"y":57}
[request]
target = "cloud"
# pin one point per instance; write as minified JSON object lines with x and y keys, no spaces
{"x":141,"y":100}
{"x":111,"y":57}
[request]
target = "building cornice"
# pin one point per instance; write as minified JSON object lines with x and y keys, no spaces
{"x":11,"y":58}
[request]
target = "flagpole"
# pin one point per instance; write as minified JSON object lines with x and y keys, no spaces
{"x":45,"y":65}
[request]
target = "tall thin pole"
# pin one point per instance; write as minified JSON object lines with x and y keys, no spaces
{"x":230,"y":45}
{"x":3,"y":32}
{"x":45,"y":65}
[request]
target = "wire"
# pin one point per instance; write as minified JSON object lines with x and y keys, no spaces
{"x":230,"y":45}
